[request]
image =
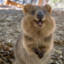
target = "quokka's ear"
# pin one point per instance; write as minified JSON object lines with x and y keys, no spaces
{"x":48,"y":8}
{"x":27,"y":8}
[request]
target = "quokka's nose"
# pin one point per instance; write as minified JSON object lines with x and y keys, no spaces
{"x":40,"y":15}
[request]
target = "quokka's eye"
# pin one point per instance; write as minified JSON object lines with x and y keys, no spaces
{"x":44,"y":12}
{"x":32,"y":12}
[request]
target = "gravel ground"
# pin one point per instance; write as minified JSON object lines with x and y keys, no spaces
{"x":10,"y":20}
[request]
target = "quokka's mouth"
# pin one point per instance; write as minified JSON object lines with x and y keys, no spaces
{"x":40,"y":22}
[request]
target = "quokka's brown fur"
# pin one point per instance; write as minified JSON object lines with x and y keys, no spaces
{"x":35,"y":44}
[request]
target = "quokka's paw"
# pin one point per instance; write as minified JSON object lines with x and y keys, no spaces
{"x":39,"y":53}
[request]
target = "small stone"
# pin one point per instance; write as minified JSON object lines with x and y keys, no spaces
{"x":61,"y":56}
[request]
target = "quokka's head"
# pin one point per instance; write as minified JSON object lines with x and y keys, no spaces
{"x":37,"y":14}
{"x":37,"y":20}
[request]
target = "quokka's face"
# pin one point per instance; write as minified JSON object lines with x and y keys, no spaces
{"x":36,"y":14}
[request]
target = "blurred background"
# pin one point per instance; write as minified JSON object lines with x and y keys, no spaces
{"x":53,"y":3}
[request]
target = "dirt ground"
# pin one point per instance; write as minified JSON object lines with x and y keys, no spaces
{"x":10,"y":21}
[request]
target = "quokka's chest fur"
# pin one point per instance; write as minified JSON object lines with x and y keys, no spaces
{"x":38,"y":44}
